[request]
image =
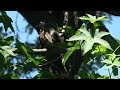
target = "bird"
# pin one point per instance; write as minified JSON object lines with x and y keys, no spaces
{"x":47,"y":34}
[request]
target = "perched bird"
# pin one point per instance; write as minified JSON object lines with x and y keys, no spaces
{"x":47,"y":34}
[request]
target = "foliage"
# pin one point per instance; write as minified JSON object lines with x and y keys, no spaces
{"x":6,"y":20}
{"x":95,"y":49}
{"x":27,"y":60}
{"x":91,"y":40}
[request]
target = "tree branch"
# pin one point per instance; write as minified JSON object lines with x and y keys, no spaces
{"x":40,"y":50}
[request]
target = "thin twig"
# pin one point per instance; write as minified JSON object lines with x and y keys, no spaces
{"x":116,"y":49}
{"x":45,"y":50}
{"x":40,"y":50}
{"x":109,"y":73}
{"x":48,"y":62}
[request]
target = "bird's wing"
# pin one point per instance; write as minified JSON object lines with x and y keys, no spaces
{"x":49,"y":37}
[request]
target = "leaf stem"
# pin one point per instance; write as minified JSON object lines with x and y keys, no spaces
{"x":116,"y":49}
{"x":109,"y":74}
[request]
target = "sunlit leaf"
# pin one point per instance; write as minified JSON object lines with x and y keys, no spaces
{"x":103,"y":42}
{"x":76,"y":37}
{"x":25,"y":50}
{"x":99,"y":49}
{"x":98,"y":36}
{"x":113,"y":56}
{"x":102,"y":18}
{"x":109,"y":66}
{"x":87,"y":45}
{"x":101,"y":34}
{"x":9,"y":50}
{"x":4,"y":53}
{"x":89,"y":40}
{"x":107,"y":61}
{"x":84,"y":18}
{"x":97,"y":24}
{"x":22,"y":48}
{"x":93,"y":19}
{"x":116,"y":61}
{"x":69,"y":52}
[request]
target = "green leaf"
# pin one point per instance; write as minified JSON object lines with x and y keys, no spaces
{"x":32,"y":59}
{"x":4,"y":53}
{"x":107,"y":61}
{"x":46,"y":75}
{"x":22,"y":49}
{"x":112,"y":56}
{"x":118,"y":41}
{"x":85,"y":32}
{"x":69,"y":52}
{"x":89,"y":40}
{"x":99,"y":49}
{"x":2,"y":58}
{"x":83,"y":74}
{"x":14,"y":77}
{"x":84,"y":18}
{"x":6,"y":20}
{"x":9,"y":75}
{"x":113,"y":43}
{"x":94,"y":75}
{"x":109,"y":66}
{"x":103,"y":77}
{"x":76,"y":77}
{"x":76,"y":37}
{"x":80,"y":36}
{"x":87,"y":45}
{"x":116,"y":61}
{"x":92,"y":19}
{"x":78,"y":32}
{"x":67,"y":55}
{"x":7,"y":41}
{"x":97,"y":24}
{"x":102,"y":18}
{"x":102,"y":33}
{"x":104,"y":43}
{"x":115,"y":71}
{"x":9,"y":50}
{"x":70,"y":44}
{"x":98,"y":36}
